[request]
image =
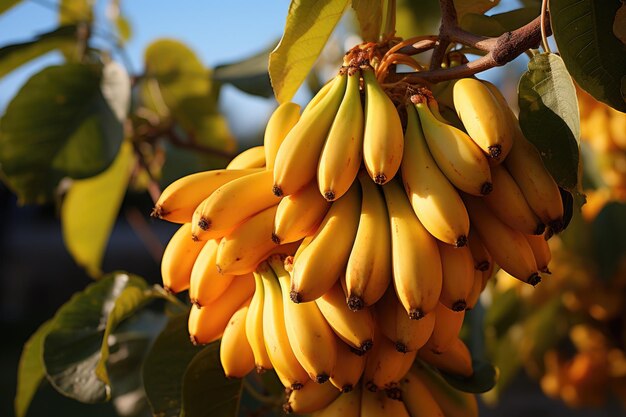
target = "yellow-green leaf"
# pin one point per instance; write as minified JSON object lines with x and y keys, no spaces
{"x":75,"y":11}
{"x":473,"y":6}
{"x":308,"y":27}
{"x":369,"y":13}
{"x":90,"y":208}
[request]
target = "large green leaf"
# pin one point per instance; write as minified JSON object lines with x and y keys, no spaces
{"x":206,"y":391}
{"x":90,"y":208}
{"x":165,"y":366}
{"x":31,"y":370}
{"x":593,"y":54}
{"x":13,"y":56}
{"x":549,"y":117}
{"x":308,"y":27}
{"x":496,"y":24}
{"x":607,"y":235}
{"x":7,"y":4}
{"x":77,"y":347}
{"x":249,"y":75}
{"x":369,"y":13}
{"x":65,"y":121}
{"x":464,"y":7}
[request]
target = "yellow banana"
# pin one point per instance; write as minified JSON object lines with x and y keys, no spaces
{"x":317,"y":97}
{"x":343,"y":151}
{"x":383,"y":140}
{"x":207,"y":323}
{"x":482,"y":258}
{"x":417,"y":275}
{"x":539,"y":188}
{"x":254,"y":327}
{"x":509,"y":248}
{"x":477,"y":287}
{"x":507,"y":202}
{"x":456,"y":360}
{"x":235,"y":351}
{"x":282,"y":120}
{"x":458,"y":276}
{"x":346,"y":405}
{"x":385,"y":366}
{"x":298,"y":155}
{"x":242,"y":250}
{"x":321,"y":263}
{"x":348,"y":369}
{"x":447,"y":327}
{"x":312,"y":397}
{"x":483,"y":117}
{"x":250,"y":158}
{"x":356,"y":328}
{"x":378,"y":404}
{"x":299,"y":214}
{"x":231,"y":204}
{"x":408,"y":335}
{"x":435,"y":201}
{"x":284,"y":361}
{"x":311,"y":338}
{"x":541,"y":251}
{"x":458,"y":157}
{"x":369,"y":266}
{"x":206,"y":283}
{"x":178,"y":259}
{"x":179,"y":199}
{"x":453,"y":403}
{"x":417,"y":398}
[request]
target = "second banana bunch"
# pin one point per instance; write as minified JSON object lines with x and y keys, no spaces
{"x":350,"y":245}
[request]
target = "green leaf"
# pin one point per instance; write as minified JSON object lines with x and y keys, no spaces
{"x":593,"y":54}
{"x":549,"y":117}
{"x":607,"y":236}
{"x":504,"y":311}
{"x":165,"y":366}
{"x":206,"y":391}
{"x":31,"y":369}
{"x":75,"y":11}
{"x":90,"y":209}
{"x":77,"y":348}
{"x":65,"y":121}
{"x":483,"y":379}
{"x":249,"y":75}
{"x":124,"y":29}
{"x":7,"y":4}
{"x":369,"y":13}
{"x":13,"y":56}
{"x":308,"y":27}
{"x":496,"y":24}
{"x":464,"y":7}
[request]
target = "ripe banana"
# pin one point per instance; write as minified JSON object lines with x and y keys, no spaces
{"x":235,"y":352}
{"x":483,"y":117}
{"x":289,"y":370}
{"x":378,"y":404}
{"x":383,"y":140}
{"x":178,"y":259}
{"x":321,"y":263}
{"x":458,"y":276}
{"x":458,"y":157}
{"x":242,"y":250}
{"x":417,"y":398}
{"x":317,"y":97}
{"x":254,"y":327}
{"x":311,"y":338}
{"x":408,"y":335}
{"x":346,"y":405}
{"x":482,"y":258}
{"x":417,"y":274}
{"x":250,"y":158}
{"x":355,"y":328}
{"x":206,"y":324}
{"x":435,"y":201}
{"x":369,"y":266}
{"x":312,"y":397}
{"x":509,"y":248}
{"x":282,"y":120}
{"x":348,"y":369}
{"x":541,"y":251}
{"x":298,"y":155}
{"x":341,"y":156}
{"x":385,"y":366}
{"x":299,"y":214}
{"x":447,"y":327}
{"x":216,"y":215}
{"x":456,"y":360}
{"x":507,"y":202}
{"x":206,"y":283}
{"x":179,"y":199}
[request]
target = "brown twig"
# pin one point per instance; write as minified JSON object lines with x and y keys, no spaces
{"x":153,"y":185}
{"x":448,"y":22}
{"x":145,"y":233}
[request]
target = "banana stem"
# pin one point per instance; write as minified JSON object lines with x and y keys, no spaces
{"x":389,"y":27}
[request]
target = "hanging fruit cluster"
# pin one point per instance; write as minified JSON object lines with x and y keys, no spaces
{"x":355,"y":239}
